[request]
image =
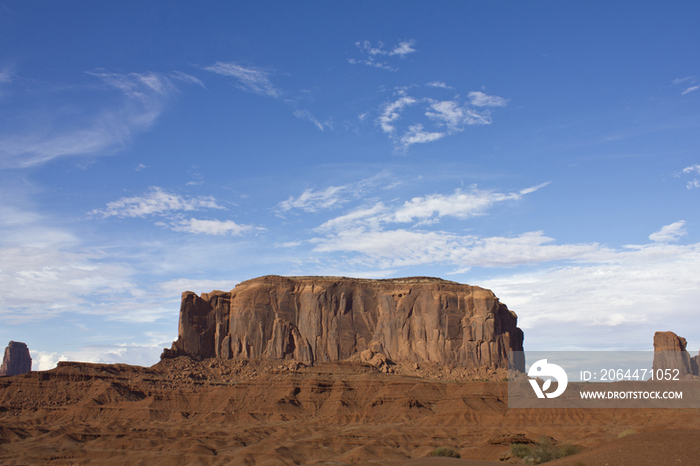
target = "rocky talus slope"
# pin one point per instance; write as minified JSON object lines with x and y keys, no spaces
{"x":322,"y":319}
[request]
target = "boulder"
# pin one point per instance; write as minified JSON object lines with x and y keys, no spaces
{"x":17,"y":360}
{"x":670,"y":353}
{"x":322,"y":319}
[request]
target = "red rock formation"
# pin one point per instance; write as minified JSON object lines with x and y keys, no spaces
{"x":333,"y":318}
{"x":17,"y":360}
{"x":670,"y":353}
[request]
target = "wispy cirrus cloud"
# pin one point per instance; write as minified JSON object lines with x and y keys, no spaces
{"x":307,"y":115}
{"x":258,"y":81}
{"x":155,"y":202}
{"x":370,"y":53}
{"x":6,"y":77}
{"x":460,"y":204}
{"x":687,"y":81}
{"x":314,"y":200}
{"x":140,"y":101}
{"x":248,"y":78}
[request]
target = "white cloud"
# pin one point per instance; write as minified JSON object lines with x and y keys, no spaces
{"x":43,"y":361}
{"x":170,"y":205}
{"x":402,"y":49}
{"x":312,"y":200}
{"x":180,"y":76}
{"x":460,"y":204}
{"x":366,"y":231}
{"x":6,"y":76}
{"x":139,"y":86}
{"x":400,"y":248}
{"x":373,"y":63}
{"x":177,"y":286}
{"x":439,"y":84}
{"x":365,"y":239}
{"x":448,"y":116}
{"x":143,"y":96}
{"x":617,"y":303}
{"x":369,"y":217}
{"x":251,"y":78}
{"x":392,"y":111}
{"x":479,"y":99}
{"x":416,"y":135}
{"x":306,"y":115}
{"x":696,"y":182}
{"x":683,"y":80}
{"x":454,"y":116}
{"x":135,"y":354}
{"x":45,"y":271}
{"x":691,"y":169}
{"x":687,"y":80}
{"x":155,"y":202}
{"x":669,"y":233}
{"x":210,"y":227}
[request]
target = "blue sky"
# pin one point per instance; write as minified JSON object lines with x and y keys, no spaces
{"x":547,"y":151}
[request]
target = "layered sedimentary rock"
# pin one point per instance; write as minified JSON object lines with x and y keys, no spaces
{"x":670,"y":353}
{"x":17,"y":360}
{"x":333,"y":318}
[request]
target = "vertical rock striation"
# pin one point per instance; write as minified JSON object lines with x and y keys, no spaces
{"x":670,"y":353}
{"x":333,"y":318}
{"x":17,"y":360}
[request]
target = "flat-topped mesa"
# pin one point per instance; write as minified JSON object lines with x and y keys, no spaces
{"x":670,"y":353}
{"x":333,"y":318}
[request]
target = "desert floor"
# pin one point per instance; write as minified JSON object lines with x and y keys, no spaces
{"x":182,"y":412}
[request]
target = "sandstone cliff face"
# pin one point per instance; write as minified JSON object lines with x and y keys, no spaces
{"x":332,"y":318}
{"x":17,"y":360}
{"x":671,"y":353}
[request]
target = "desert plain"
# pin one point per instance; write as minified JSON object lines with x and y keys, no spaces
{"x":215,"y":412}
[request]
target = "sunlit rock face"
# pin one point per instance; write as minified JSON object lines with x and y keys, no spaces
{"x":332,"y":318}
{"x":670,"y":353}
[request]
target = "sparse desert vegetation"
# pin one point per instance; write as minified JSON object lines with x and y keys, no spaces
{"x":543,"y":451}
{"x":444,"y":451}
